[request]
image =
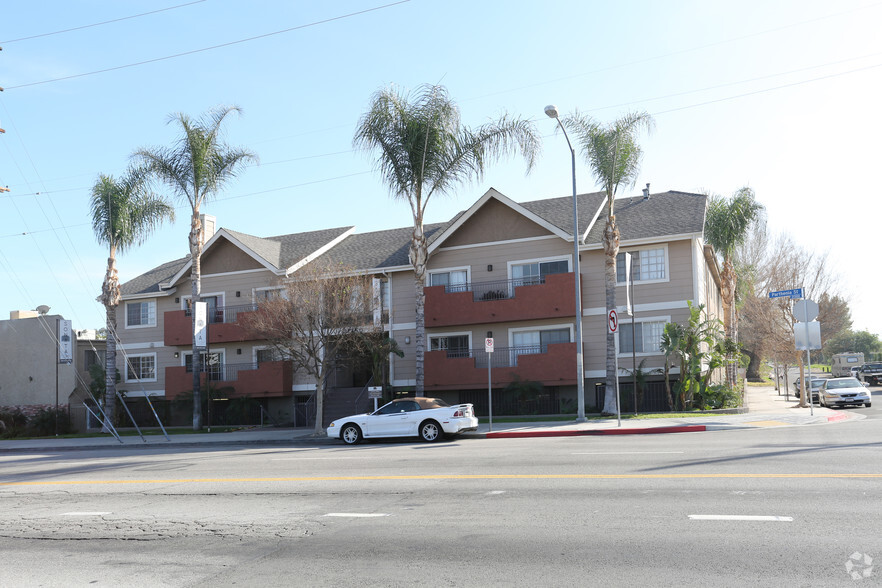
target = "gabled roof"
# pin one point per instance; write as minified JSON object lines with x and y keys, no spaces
{"x":661,"y":215}
{"x":148,"y":283}
{"x":665,"y":214}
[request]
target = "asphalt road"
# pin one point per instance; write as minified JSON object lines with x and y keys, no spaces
{"x":786,"y":505}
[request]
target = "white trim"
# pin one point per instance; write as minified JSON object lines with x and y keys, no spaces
{"x":126,"y":365}
{"x":539,"y":328}
{"x":238,"y":272}
{"x":492,"y":243}
{"x":697,"y":274}
{"x":647,"y":241}
{"x":145,"y":345}
{"x":404,"y":383}
{"x":302,"y":387}
{"x":320,"y":251}
{"x":446,"y":270}
{"x":144,"y":301}
{"x":662,"y":246}
{"x":153,"y":295}
{"x":404,"y":326}
{"x":492,"y":193}
{"x":650,"y":307}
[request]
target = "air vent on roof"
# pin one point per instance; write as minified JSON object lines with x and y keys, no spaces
{"x":646,"y":192}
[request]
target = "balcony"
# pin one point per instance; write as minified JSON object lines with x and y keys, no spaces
{"x":551,"y":365}
{"x":223,"y":325}
{"x":265,"y":380}
{"x":548,"y":297}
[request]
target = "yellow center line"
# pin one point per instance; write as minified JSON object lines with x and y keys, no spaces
{"x":446,"y":477}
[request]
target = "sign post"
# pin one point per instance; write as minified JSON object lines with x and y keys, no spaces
{"x":375,"y":392}
{"x":488,"y":347}
{"x":807,"y":335}
{"x":612,"y":321}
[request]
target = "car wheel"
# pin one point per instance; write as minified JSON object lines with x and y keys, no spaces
{"x":431,"y":431}
{"x":868,"y":404}
{"x":821,"y":401}
{"x":351,"y":434}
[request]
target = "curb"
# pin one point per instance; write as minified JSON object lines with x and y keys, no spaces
{"x":595,"y":432}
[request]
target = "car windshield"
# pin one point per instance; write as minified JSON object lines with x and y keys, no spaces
{"x":872,"y":366}
{"x":842,"y":383}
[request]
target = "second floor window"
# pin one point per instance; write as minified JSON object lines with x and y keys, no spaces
{"x":527,"y":274}
{"x":141,"y":314}
{"x":646,"y":264}
{"x":454,"y":345}
{"x":541,"y":338}
{"x":454,"y":280}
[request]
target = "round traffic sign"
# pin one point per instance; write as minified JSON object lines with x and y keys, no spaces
{"x":613,"y":320}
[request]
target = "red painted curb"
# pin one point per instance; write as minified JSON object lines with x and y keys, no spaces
{"x":571,"y":433}
{"x":837,"y":417}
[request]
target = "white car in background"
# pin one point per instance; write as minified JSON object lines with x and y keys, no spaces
{"x":844,"y":391}
{"x":430,"y":419}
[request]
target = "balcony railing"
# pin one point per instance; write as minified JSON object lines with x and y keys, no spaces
{"x":227,"y":372}
{"x":501,"y":356}
{"x":495,"y":290}
{"x":225,"y":314}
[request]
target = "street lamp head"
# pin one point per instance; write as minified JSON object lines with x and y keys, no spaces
{"x":551,"y":111}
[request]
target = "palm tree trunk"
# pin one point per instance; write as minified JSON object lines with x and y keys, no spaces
{"x":611,"y":249}
{"x":728,"y":295}
{"x":110,"y":298}
{"x":668,"y":384}
{"x":196,"y":289}
{"x":419,"y":258}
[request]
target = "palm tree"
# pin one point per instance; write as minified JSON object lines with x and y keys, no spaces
{"x":613,"y":156}
{"x":422,"y":149}
{"x":670,"y":346}
{"x":196,"y":168}
{"x":124,"y":212}
{"x":725,"y":228}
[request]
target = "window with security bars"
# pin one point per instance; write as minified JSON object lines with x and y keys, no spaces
{"x":647,"y":334}
{"x":646,"y":264}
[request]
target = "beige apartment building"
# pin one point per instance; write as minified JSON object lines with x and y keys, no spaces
{"x":500,"y":269}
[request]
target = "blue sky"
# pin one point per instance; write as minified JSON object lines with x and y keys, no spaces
{"x":781,"y":96}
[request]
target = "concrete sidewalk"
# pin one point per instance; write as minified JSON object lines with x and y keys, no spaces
{"x":765,"y":408}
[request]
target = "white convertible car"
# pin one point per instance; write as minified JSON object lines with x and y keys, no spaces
{"x":427,"y":418}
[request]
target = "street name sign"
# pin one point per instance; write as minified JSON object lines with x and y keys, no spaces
{"x":793,"y":293}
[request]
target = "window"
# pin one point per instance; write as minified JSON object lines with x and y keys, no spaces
{"x":540,"y":339}
{"x":141,"y":314}
{"x":215,"y":366}
{"x":647,"y":334}
{"x":646,"y":264}
{"x":454,"y":280}
{"x":267,"y":354}
{"x":454,"y":345}
{"x":527,"y":274}
{"x":141,"y":368}
{"x":93,"y":357}
{"x":213,"y":308}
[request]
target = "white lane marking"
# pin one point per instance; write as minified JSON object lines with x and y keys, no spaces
{"x":359,"y":515}
{"x":85,"y":514}
{"x":358,"y":457}
{"x":741,"y":518}
{"x":629,"y":453}
{"x":495,"y":492}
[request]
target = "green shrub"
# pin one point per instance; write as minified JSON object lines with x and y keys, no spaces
{"x":12,"y":424}
{"x":43,"y":424}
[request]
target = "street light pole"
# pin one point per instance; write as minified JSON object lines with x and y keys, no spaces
{"x":552,"y":112}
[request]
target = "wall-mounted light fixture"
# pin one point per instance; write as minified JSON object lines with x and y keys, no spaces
{"x":489,"y":267}
{"x":407,"y":340}
{"x":489,"y":334}
{"x":238,"y":352}
{"x":177,"y":300}
{"x":238,"y":294}
{"x":177,"y":355}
